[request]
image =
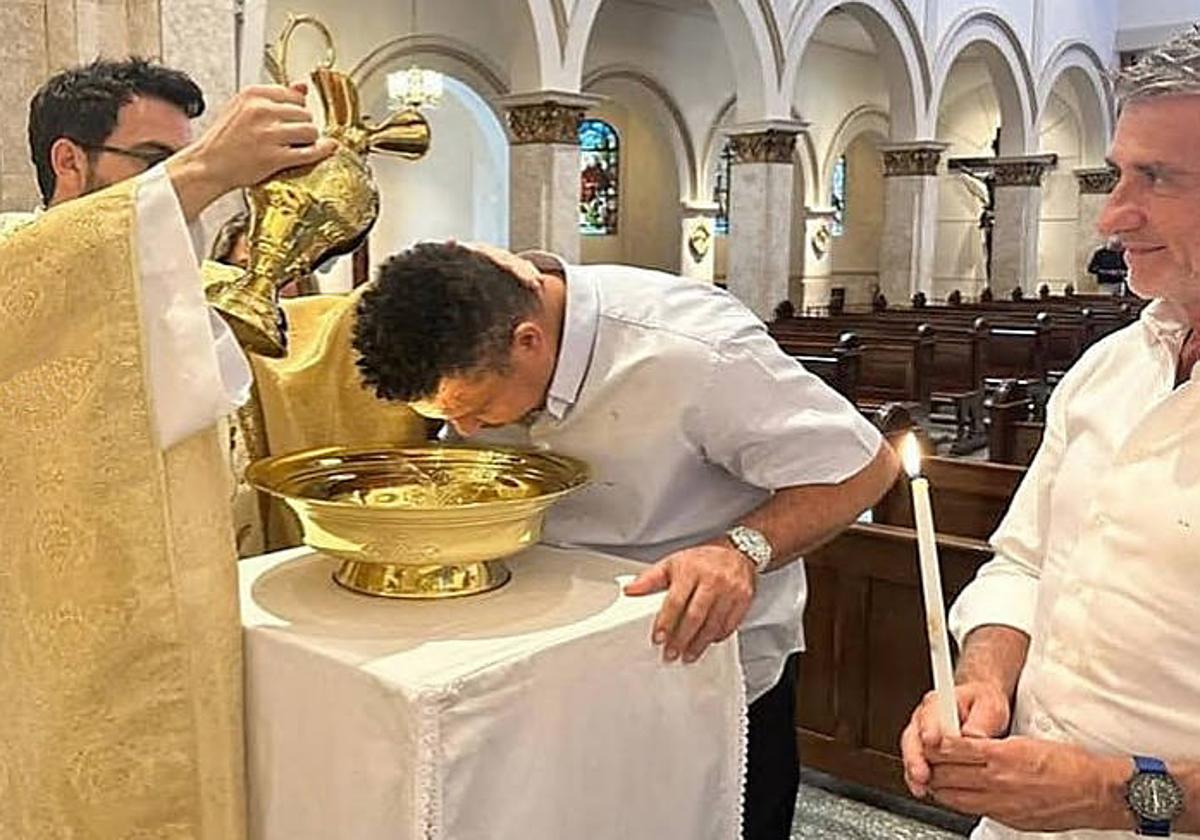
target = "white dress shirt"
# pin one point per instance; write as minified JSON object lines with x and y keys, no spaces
{"x":196,"y":371}
{"x":690,"y":415}
{"x":1098,"y":559}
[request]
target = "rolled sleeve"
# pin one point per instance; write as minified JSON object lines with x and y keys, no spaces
{"x":773,"y":424}
{"x":196,"y":372}
{"x":1005,"y":590}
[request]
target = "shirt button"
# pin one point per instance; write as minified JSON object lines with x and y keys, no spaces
{"x":1101,"y":519}
{"x":1042,"y":723}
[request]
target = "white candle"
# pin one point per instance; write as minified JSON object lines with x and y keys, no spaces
{"x":931,"y":588}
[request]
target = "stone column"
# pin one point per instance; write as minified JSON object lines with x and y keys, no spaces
{"x":818,"y":267}
{"x":699,"y":240}
{"x":1094,"y":186}
{"x":910,"y":203}
{"x":760,"y":213}
{"x":1018,"y":214}
{"x":544,"y":170}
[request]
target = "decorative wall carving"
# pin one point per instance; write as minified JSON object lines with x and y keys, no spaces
{"x":1096,"y":181}
{"x":770,"y":146}
{"x":1021,"y":172}
{"x":545,"y":122}
{"x":914,"y":160}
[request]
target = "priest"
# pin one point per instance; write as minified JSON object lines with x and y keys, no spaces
{"x":120,"y":672}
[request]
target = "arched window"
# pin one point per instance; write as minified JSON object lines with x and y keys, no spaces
{"x":722,"y":180}
{"x":837,"y":225}
{"x":600,"y":163}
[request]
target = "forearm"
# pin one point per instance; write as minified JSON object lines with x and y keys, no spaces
{"x":799,"y":519}
{"x":993,"y":654}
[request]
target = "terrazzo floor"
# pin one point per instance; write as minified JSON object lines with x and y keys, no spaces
{"x":821,"y":815}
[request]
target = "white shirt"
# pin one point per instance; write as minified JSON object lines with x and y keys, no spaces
{"x":1098,"y":558}
{"x":196,"y":372}
{"x":690,"y":415}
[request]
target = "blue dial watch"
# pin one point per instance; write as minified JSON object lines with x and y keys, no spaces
{"x":1154,"y":797}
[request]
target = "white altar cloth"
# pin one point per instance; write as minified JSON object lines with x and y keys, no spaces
{"x":539,"y":711}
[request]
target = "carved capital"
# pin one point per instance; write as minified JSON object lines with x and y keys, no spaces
{"x":545,"y":122}
{"x":1022,"y":171}
{"x":770,"y":146}
{"x":1099,"y":181}
{"x":901,"y":161}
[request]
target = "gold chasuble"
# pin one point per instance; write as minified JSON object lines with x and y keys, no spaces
{"x":120,"y":640}
{"x":314,"y":397}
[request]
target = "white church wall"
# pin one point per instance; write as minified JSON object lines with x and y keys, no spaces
{"x":1017,"y":14}
{"x":854,"y":256}
{"x":648,"y":225}
{"x":1061,"y":133}
{"x":1141,"y":24}
{"x":1091,"y":21}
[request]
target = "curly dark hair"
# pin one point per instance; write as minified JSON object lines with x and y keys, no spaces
{"x":436,"y":310}
{"x":82,"y":104}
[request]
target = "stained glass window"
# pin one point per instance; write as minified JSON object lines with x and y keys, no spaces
{"x":837,"y":225}
{"x":722,"y":180}
{"x":599,"y":161}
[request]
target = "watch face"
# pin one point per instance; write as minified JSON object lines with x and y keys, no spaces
{"x":1154,"y":796}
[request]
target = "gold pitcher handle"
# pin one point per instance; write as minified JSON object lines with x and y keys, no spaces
{"x":277,"y":66}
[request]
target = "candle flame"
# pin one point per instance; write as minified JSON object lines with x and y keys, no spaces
{"x":910,"y":453}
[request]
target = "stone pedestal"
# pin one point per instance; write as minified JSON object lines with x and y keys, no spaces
{"x":1094,"y":187}
{"x":699,"y":241}
{"x":544,"y":171}
{"x":910,"y":203}
{"x":760,"y":213}
{"x":1018,"y":214}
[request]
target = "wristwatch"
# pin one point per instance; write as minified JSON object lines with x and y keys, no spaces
{"x":1154,"y":797}
{"x":753,"y":544}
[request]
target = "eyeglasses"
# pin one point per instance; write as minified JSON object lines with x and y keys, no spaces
{"x":150,"y":157}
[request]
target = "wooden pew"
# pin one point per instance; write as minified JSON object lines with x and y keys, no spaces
{"x":895,"y":363}
{"x":1014,"y":430}
{"x":867,"y":662}
{"x":839,"y":364}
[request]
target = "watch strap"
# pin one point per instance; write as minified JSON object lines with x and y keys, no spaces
{"x":1147,"y":827}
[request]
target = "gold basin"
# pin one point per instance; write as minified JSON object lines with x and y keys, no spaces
{"x":429,"y":521}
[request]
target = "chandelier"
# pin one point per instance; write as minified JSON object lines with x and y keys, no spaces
{"x":415,"y":87}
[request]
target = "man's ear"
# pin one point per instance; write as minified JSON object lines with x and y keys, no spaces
{"x":71,"y":166}
{"x":528,"y":337}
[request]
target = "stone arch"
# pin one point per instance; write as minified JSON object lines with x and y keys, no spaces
{"x":1008,"y":67}
{"x":548,"y":19}
{"x":898,"y":40}
{"x":437,"y":52}
{"x":865,"y":119}
{"x":669,"y":115}
{"x":750,"y":35}
{"x":1078,"y":64}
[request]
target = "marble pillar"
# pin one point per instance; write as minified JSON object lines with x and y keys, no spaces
{"x":910,"y":206}
{"x":1094,"y":186}
{"x":699,"y":241}
{"x":760,"y":213}
{"x":544,"y":171}
{"x":1018,"y":216}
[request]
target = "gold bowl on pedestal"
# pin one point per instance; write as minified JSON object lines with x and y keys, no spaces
{"x":428,"y":521}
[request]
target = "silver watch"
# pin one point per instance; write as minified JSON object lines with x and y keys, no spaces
{"x":753,"y":544}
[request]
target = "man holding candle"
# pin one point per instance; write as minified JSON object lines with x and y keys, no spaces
{"x":1078,"y":684}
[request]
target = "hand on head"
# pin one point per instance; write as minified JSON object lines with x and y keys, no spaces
{"x":519,"y":267}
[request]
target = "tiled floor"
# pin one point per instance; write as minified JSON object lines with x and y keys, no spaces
{"x":821,"y":815}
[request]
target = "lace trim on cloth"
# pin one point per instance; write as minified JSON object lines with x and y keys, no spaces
{"x":742,"y":738}
{"x":427,"y":778}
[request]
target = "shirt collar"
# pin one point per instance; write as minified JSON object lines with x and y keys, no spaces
{"x":580,"y":320}
{"x":1165,"y":320}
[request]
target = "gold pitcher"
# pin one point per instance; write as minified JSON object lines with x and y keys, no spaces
{"x":303,"y":216}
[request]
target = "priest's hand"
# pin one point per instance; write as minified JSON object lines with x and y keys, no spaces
{"x":263,"y":130}
{"x":709,"y":588}
{"x":983,"y":710}
{"x":1030,"y":784}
